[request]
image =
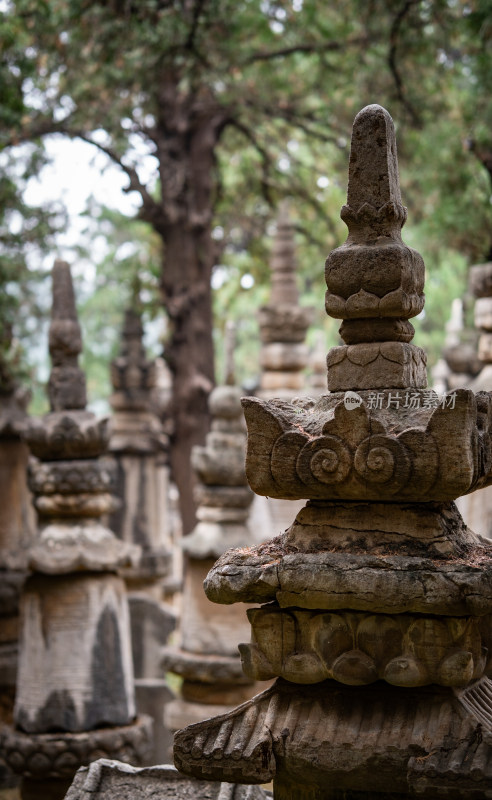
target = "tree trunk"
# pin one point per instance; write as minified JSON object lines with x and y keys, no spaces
{"x":188,"y":132}
{"x":189,"y":353}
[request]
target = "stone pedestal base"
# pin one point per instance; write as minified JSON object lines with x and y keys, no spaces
{"x":329,"y":741}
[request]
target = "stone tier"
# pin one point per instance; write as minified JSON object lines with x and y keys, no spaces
{"x":59,"y":755}
{"x":284,"y":323}
{"x":67,"y":435}
{"x":376,"y":365}
{"x":389,"y":445}
{"x":381,"y":582}
{"x":357,"y":648}
{"x":428,"y":742}
{"x":72,"y":545}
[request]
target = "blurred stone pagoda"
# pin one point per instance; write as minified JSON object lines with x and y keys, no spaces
{"x":377,"y":601}
{"x":207,"y":657}
{"x":75,"y":695}
{"x":283,"y":321}
{"x":139,"y":447}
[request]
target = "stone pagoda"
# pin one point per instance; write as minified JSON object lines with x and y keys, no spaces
{"x":283,"y":322}
{"x":207,"y":657}
{"x":378,"y":599}
{"x":17,"y":526}
{"x":75,"y":696}
{"x":139,"y":448}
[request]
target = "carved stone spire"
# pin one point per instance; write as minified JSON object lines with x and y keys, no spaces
{"x":375,"y":282}
{"x":66,"y":387}
{"x":283,"y":322}
{"x":377,"y":601}
{"x":74,"y":693}
{"x":133,"y":376}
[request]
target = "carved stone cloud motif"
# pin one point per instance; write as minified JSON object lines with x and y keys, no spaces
{"x":377,"y":601}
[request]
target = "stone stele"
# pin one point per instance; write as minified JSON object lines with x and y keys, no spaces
{"x":377,"y":601}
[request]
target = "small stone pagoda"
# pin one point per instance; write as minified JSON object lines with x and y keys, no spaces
{"x":283,"y":322}
{"x":139,"y":448}
{"x":75,"y":696}
{"x":378,"y":600}
{"x":207,"y":658}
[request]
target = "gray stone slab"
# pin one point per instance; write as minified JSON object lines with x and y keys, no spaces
{"x":113,"y":780}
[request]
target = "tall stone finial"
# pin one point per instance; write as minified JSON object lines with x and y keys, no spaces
{"x":66,"y":387}
{"x":375,"y":282}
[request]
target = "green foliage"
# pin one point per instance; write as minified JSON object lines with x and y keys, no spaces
{"x":285,"y":79}
{"x":25,"y":235}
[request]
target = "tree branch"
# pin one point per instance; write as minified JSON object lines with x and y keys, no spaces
{"x":392,"y":60}
{"x":265,"y":158}
{"x":319,"y":47}
{"x":45,"y":127}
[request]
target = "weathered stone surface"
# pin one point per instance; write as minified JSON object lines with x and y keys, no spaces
{"x":151,"y":697}
{"x":392,"y":445}
{"x":207,"y":628}
{"x":351,"y":737}
{"x":282,"y":380}
{"x":106,"y":780}
{"x":82,"y":545}
{"x":357,"y":649}
{"x":284,"y":323}
{"x":206,"y":668}
{"x":485,"y":347}
{"x":374,"y":274}
{"x":151,"y":623}
{"x":364,"y":582}
{"x":76,"y":434}
{"x":66,"y":387}
{"x":376,"y":366}
{"x":463,"y":358}
{"x":75,"y":664}
{"x":133,"y":376}
{"x":72,"y":477}
{"x":228,"y":694}
{"x":17,"y":522}
{"x":375,"y":329}
{"x":480,"y":280}
{"x":76,"y":505}
{"x":483,"y":313}
{"x":58,"y":755}
{"x":282,"y":356}
{"x":233,"y":497}
{"x":378,"y":581}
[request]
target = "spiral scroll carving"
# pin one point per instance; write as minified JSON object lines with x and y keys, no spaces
{"x":327,"y":459}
